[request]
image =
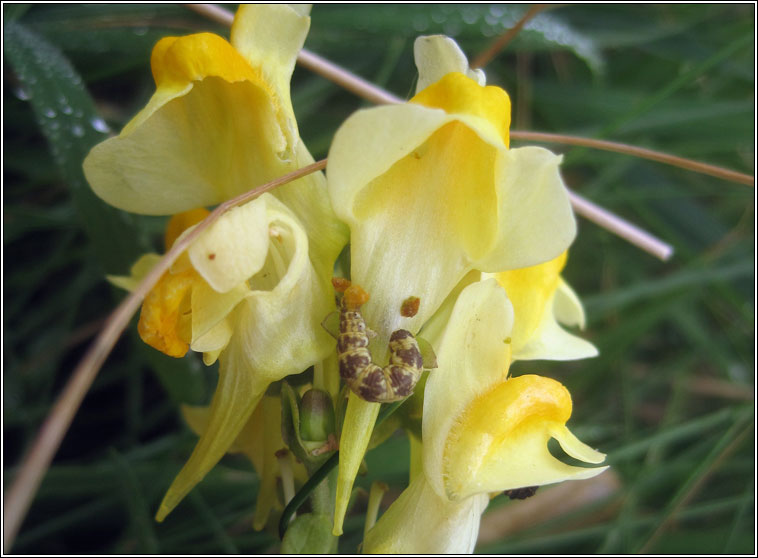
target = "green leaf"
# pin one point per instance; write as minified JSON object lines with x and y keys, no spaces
{"x":309,"y":534}
{"x":67,"y":117}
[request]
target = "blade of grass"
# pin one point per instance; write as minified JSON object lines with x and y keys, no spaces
{"x":727,"y":445}
{"x":221,"y":536}
{"x":141,"y":519}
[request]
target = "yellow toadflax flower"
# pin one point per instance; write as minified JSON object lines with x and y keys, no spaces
{"x":254,"y":288}
{"x":219,"y":124}
{"x":483,"y":432}
{"x":431,"y":191}
{"x":246,"y":293}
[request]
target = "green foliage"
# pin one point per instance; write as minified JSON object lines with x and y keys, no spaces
{"x":670,"y":398}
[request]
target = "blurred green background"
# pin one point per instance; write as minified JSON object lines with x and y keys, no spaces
{"x":670,"y":398}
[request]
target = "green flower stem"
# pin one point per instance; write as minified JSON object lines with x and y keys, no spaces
{"x":321,"y":473}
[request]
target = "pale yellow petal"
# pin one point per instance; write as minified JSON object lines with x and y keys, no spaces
{"x":435,"y":326}
{"x":214,"y":340}
{"x":473,"y":355}
{"x":567,"y":307}
{"x":308,"y":199}
{"x":138,"y":271}
{"x":533,"y":291}
{"x":235,"y":247}
{"x":237,"y":394}
{"x":438,"y":55}
{"x":279,"y":321}
{"x":215,"y":141}
{"x":270,"y":36}
{"x":575,"y":447}
{"x":420,"y":522}
{"x":180,"y":223}
{"x":551,"y":342}
{"x":536,"y":223}
{"x":210,"y":308}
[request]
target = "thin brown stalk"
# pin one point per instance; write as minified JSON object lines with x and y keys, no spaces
{"x":502,"y":41}
{"x":213,"y":12}
{"x":673,"y":160}
{"x":621,"y":227}
{"x":51,"y":434}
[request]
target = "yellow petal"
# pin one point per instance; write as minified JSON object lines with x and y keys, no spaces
{"x":237,"y":394}
{"x":182,"y":60}
{"x":567,"y":307}
{"x":270,"y":36}
{"x":530,"y":289}
{"x":234,"y":248}
{"x":180,"y":223}
{"x":536,"y":333}
{"x":165,"y":311}
{"x":421,"y":522}
{"x":279,"y":321}
{"x":218,"y":139}
{"x":500,"y":441}
{"x":473,"y":355}
{"x":141,"y":267}
{"x":551,"y":342}
{"x":212,"y":341}
{"x":192,"y":145}
{"x":438,"y":55}
{"x":536,"y":220}
{"x":277,"y":332}
{"x":429,"y":196}
{"x":456,"y":93}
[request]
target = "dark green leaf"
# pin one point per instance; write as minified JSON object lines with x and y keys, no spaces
{"x":67,"y":116}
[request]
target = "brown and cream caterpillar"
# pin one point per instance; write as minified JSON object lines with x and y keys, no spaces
{"x":369,"y":381}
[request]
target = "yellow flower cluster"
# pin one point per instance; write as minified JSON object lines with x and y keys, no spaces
{"x":436,"y":208}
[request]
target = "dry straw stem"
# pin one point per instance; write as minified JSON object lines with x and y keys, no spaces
{"x":56,"y":425}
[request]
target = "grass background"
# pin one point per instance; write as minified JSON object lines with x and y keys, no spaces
{"x":670,"y":398}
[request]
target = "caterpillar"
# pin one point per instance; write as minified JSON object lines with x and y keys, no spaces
{"x":368,"y":380}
